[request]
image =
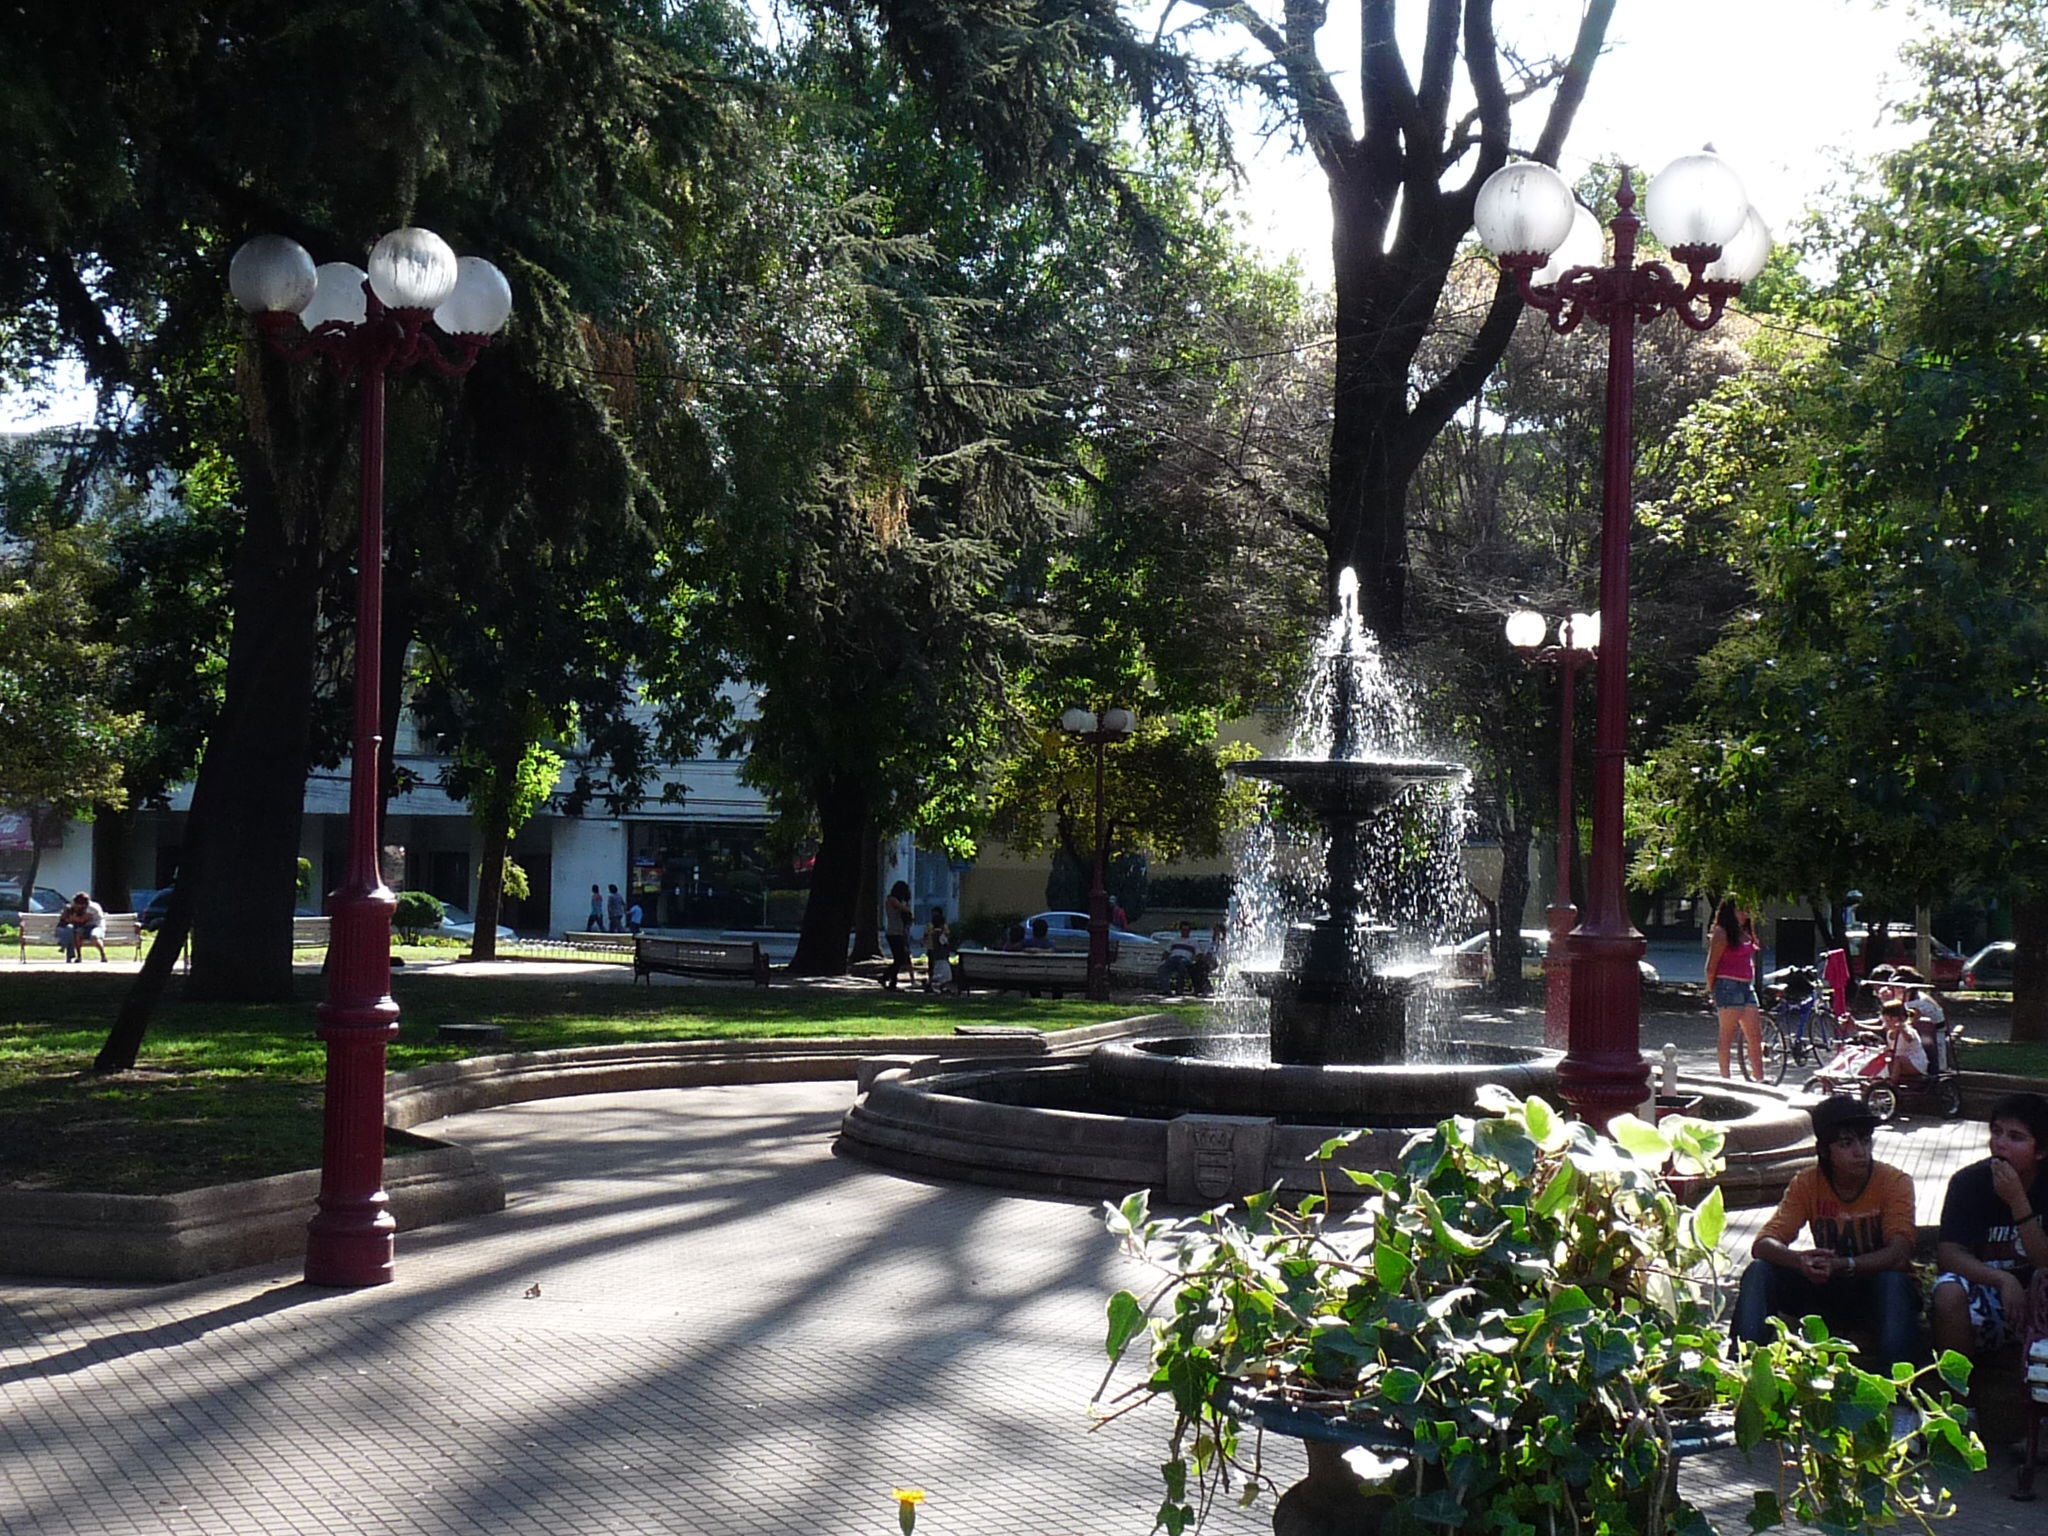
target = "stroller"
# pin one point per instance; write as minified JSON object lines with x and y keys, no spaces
{"x":1862,"y":1066}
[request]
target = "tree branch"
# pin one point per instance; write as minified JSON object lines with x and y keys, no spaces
{"x":1571,"y":89}
{"x":1437,"y":404}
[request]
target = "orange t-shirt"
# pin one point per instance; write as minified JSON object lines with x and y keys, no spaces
{"x":1883,"y":1211}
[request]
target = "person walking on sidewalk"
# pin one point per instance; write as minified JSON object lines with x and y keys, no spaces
{"x":1858,"y":1213}
{"x":596,"y":923}
{"x":896,"y":928}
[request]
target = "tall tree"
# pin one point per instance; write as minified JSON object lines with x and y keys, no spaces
{"x":1402,"y":180}
{"x":1876,"y":720}
{"x":569,"y":141}
{"x":62,"y":747}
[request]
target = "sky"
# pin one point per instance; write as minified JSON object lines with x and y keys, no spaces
{"x":1782,"y":88}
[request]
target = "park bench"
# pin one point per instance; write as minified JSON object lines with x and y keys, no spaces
{"x":1033,"y":971}
{"x":310,"y":932}
{"x":698,"y":957}
{"x":41,"y":928}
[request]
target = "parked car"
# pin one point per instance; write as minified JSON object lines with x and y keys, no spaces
{"x":42,"y":899}
{"x":150,"y":915}
{"x":1990,"y":969}
{"x":1069,"y":930}
{"x":458,"y":924}
{"x":1901,"y":947}
{"x":1472,"y":959}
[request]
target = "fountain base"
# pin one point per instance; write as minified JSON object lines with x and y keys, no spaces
{"x":1157,"y":1114}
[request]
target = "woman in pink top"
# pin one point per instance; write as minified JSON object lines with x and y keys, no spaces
{"x":1731,"y":983}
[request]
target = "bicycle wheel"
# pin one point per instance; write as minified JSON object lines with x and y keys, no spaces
{"x":1817,"y":1035}
{"x":1882,"y":1102}
{"x":1949,"y":1095}
{"x":1774,"y":1053}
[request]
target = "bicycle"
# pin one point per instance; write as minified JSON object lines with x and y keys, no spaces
{"x":1806,"y":1029}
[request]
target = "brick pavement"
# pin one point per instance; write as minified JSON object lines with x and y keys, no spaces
{"x":734,"y":1332}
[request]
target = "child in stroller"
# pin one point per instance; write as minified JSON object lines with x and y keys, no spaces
{"x":1889,"y":1060}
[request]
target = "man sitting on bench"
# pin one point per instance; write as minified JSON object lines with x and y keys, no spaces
{"x":1991,"y":1237}
{"x":1860,"y":1215}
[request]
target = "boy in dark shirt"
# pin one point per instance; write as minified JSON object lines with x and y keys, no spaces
{"x":1991,"y":1232}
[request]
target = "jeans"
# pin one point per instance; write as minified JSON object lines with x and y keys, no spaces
{"x":1885,"y":1305}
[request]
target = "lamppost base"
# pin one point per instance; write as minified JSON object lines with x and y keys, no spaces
{"x":351,"y":1248}
{"x":1603,"y":1073}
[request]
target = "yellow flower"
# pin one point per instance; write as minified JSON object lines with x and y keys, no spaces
{"x":907,"y":1500}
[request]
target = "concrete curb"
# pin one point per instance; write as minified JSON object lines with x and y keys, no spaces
{"x":161,"y":1238}
{"x":203,"y":1231}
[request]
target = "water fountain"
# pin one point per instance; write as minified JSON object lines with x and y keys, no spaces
{"x":1209,"y":1114}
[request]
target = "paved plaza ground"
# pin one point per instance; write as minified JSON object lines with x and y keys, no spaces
{"x":691,"y":1317}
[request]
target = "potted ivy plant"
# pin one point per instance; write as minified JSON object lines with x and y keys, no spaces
{"x":1515,"y":1331}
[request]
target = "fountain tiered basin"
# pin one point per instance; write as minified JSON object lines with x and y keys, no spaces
{"x":1208,"y":1115}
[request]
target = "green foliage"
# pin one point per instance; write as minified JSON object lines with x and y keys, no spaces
{"x":516,"y":885}
{"x":1524,"y":1314}
{"x":417,"y":910}
{"x":1164,"y":792}
{"x":1200,"y":892}
{"x":1875,"y":719}
{"x":62,"y":749}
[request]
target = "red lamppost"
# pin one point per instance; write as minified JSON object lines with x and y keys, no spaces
{"x":372,"y":323}
{"x":1113,"y":725}
{"x":1527,"y":217}
{"x":1577,"y":638}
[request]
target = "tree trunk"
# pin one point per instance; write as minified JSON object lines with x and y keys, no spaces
{"x":124,"y":1040}
{"x":1508,"y":984}
{"x":1368,"y":489}
{"x":843,"y":830}
{"x":244,"y":892}
{"x":113,"y":872}
{"x":490,"y":892}
{"x":2030,"y":968}
{"x":867,"y":903}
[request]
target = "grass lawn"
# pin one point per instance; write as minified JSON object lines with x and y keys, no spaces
{"x":2025,"y":1058}
{"x":233,"y":1092}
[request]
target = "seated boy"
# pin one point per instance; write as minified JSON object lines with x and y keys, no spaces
{"x":1991,"y":1238}
{"x":1859,"y":1213}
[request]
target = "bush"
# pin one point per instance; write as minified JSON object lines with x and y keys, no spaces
{"x":416,"y":910}
{"x":1068,"y":886}
{"x":1190,"y":893}
{"x":1524,"y":1319}
{"x":989,"y":929}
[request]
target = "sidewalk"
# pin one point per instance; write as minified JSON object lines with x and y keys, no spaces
{"x":690,"y":1318}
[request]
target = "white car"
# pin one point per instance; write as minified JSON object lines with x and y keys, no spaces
{"x":1069,"y":930}
{"x":458,"y":924}
{"x":1472,"y":959}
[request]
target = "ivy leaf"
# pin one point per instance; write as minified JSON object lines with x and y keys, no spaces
{"x":1401,"y":1385}
{"x":1438,"y":1507}
{"x":1640,"y":1139}
{"x":1390,"y":1266}
{"x":1505,"y":1142}
{"x":1569,"y":1308}
{"x":1545,"y":1124}
{"x":1126,"y":1317}
{"x":1711,"y":1219}
{"x":1955,"y":1371}
{"x":1557,"y":1192}
{"x":1122,"y":1220}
